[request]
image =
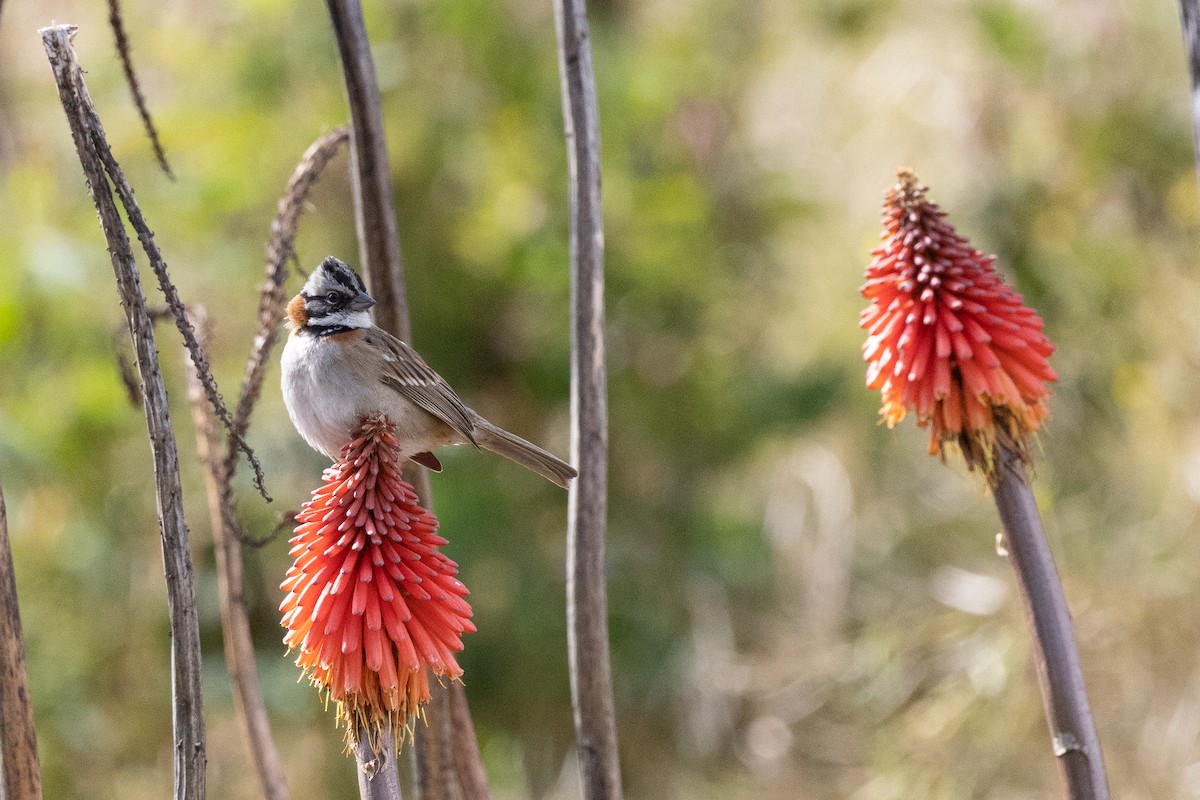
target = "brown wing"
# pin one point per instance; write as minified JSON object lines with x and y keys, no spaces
{"x":409,"y":375}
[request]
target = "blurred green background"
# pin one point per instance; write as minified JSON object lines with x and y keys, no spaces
{"x":802,"y":603}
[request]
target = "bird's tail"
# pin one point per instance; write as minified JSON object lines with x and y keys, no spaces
{"x":527,"y":454}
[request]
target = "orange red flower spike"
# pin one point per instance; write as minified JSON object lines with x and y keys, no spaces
{"x":947,"y":336}
{"x":372,"y":604}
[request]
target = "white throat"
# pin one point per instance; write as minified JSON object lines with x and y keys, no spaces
{"x":355,"y":319}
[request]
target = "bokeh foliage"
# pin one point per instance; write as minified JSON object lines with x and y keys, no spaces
{"x":803,"y":604}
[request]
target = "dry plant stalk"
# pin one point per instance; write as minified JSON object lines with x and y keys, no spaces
{"x":235,"y":624}
{"x":376,"y":779}
{"x":587,"y":598}
{"x":464,"y":747}
{"x":272,"y":296}
{"x":20,"y":775}
{"x":88,"y":134}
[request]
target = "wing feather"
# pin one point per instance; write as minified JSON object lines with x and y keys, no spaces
{"x":409,"y":375}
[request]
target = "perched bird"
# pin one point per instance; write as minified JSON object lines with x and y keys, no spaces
{"x":339,"y":367}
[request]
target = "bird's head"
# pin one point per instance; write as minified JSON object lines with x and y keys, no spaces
{"x":334,"y":300}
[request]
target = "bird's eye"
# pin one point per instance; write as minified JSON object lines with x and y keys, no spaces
{"x":333,"y":298}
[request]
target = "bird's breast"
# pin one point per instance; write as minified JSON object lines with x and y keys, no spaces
{"x":330,"y":383}
{"x":317,"y":391}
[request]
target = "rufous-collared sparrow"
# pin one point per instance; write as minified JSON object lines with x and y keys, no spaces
{"x":339,"y":367}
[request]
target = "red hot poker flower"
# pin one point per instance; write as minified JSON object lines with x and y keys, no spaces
{"x":948,"y":337}
{"x":372,"y":603}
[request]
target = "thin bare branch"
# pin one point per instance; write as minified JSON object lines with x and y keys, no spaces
{"x":370,"y":171}
{"x":235,"y":622}
{"x":123,"y":51}
{"x":20,"y":775}
{"x":188,"y":707}
{"x":1072,"y":732}
{"x":587,"y":600}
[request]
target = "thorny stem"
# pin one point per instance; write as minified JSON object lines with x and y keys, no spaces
{"x":20,"y":776}
{"x":178,"y":312}
{"x":188,"y":706}
{"x":587,"y":601}
{"x":1072,"y":732}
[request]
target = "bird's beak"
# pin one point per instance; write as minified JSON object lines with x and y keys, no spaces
{"x":362,"y":302}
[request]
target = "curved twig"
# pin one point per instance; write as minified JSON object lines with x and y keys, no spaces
{"x":271,"y":308}
{"x":587,"y":600}
{"x":279,"y":249}
{"x":188,"y":716}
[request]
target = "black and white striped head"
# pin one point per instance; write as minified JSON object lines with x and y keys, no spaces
{"x":334,"y":300}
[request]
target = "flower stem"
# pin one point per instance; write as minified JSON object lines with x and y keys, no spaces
{"x":1072,"y":732}
{"x":378,"y":778}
